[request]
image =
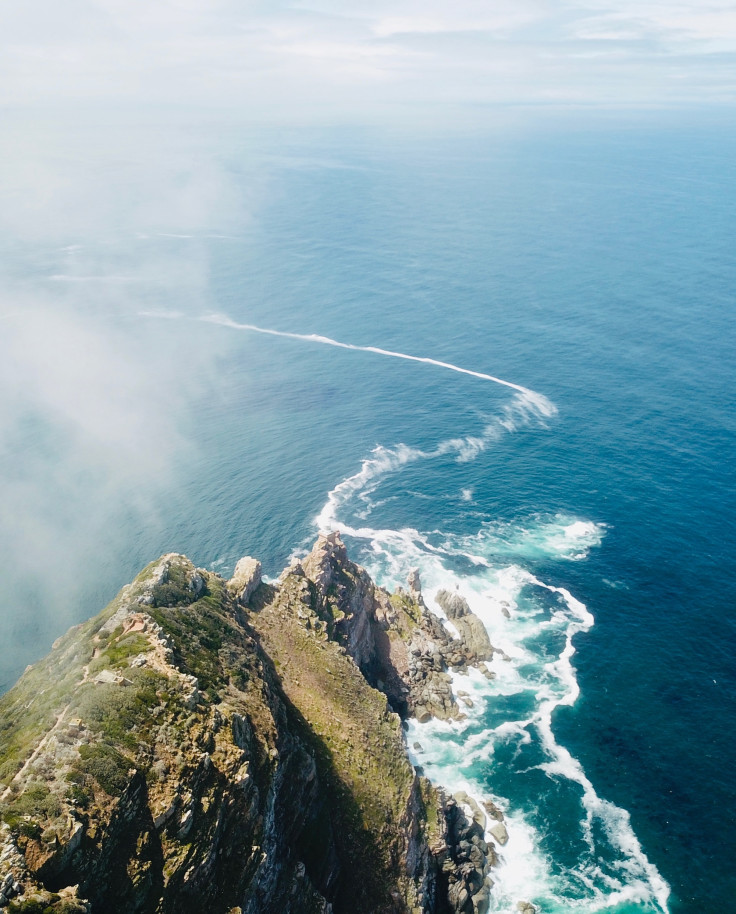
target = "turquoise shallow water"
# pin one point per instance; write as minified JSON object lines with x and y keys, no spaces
{"x":591,"y":267}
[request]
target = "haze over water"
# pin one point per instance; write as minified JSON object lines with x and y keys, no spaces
{"x":590,"y":268}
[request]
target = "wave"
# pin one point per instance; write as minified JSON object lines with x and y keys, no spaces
{"x":568,"y":849}
{"x":385,"y":461}
{"x":506,"y":751}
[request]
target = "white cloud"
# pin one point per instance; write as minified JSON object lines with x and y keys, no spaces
{"x":324,"y":59}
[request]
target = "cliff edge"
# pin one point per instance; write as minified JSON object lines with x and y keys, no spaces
{"x":237,"y":747}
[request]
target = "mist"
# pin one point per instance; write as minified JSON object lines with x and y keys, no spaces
{"x":98,"y":225}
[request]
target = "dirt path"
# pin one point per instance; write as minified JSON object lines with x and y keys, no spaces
{"x":61,"y":716}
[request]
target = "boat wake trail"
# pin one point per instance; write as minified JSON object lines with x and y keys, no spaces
{"x":535,"y":401}
{"x":565,"y":849}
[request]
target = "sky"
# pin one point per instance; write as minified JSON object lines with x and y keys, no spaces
{"x":328,"y":60}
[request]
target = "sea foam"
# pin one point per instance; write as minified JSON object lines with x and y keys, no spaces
{"x":568,"y":849}
{"x":504,"y":748}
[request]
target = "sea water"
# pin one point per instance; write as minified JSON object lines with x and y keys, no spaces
{"x":503,"y":358}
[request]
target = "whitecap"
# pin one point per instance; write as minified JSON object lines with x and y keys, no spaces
{"x":518,"y":609}
{"x":505,"y":737}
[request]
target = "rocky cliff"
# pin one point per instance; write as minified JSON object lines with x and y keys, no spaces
{"x":204,"y":745}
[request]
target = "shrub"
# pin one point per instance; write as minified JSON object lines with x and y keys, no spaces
{"x":37,"y":801}
{"x":105,"y":765}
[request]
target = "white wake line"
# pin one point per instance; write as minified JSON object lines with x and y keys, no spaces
{"x":540,"y":402}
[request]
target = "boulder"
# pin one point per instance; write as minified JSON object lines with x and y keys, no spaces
{"x":475,"y":637}
{"x":493,"y":811}
{"x":482,"y":900}
{"x":500,"y":833}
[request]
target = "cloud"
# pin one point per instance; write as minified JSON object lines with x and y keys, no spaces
{"x":322,"y":60}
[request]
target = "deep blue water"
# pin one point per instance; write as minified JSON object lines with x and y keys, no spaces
{"x":592,"y":266}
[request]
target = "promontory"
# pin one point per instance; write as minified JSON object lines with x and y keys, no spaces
{"x":236,"y":747}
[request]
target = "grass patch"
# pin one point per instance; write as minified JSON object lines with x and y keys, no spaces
{"x":357,"y":743}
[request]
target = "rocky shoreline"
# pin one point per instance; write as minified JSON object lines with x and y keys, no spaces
{"x":237,"y":747}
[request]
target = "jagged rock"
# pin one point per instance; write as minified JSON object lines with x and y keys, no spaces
{"x":246,"y":578}
{"x":493,"y":811}
{"x":482,"y":900}
{"x":327,"y":558}
{"x":475,"y":637}
{"x":469,"y":855}
{"x":525,"y":907}
{"x":196,"y":583}
{"x":458,"y":896}
{"x":415,"y":587}
{"x":454,"y":605}
{"x":242,"y":725}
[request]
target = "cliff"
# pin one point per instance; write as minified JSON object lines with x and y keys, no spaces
{"x":204,"y":745}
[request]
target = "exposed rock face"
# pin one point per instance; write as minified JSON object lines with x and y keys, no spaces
{"x":346,"y":598}
{"x":212,"y":746}
{"x":415,"y":587}
{"x":470,"y":857}
{"x":454,"y":604}
{"x":245,"y":579}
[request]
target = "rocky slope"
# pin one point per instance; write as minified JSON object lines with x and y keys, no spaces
{"x":204,"y":745}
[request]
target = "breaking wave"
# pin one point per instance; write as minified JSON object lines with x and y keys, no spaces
{"x":568,"y":849}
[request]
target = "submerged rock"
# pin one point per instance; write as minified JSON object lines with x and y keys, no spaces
{"x":500,"y":833}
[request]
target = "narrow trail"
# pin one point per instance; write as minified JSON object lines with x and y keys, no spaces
{"x":60,"y":718}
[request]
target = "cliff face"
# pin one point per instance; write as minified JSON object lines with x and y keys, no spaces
{"x":224,"y":747}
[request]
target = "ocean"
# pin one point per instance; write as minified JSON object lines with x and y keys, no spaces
{"x":502,"y":357}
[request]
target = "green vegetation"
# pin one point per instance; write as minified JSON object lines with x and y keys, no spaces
{"x":120,"y":714}
{"x":119,"y":650}
{"x":30,"y":709}
{"x":176,"y":589}
{"x":409,"y":614}
{"x":36,"y":802}
{"x":199,"y":630}
{"x":51,"y":904}
{"x":356,"y":741}
{"x":88,"y":732}
{"x":431,"y":809}
{"x":105,"y":765}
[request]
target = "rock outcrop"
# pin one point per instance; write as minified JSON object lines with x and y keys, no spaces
{"x":237,"y":746}
{"x":472,"y":633}
{"x":245,"y":580}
